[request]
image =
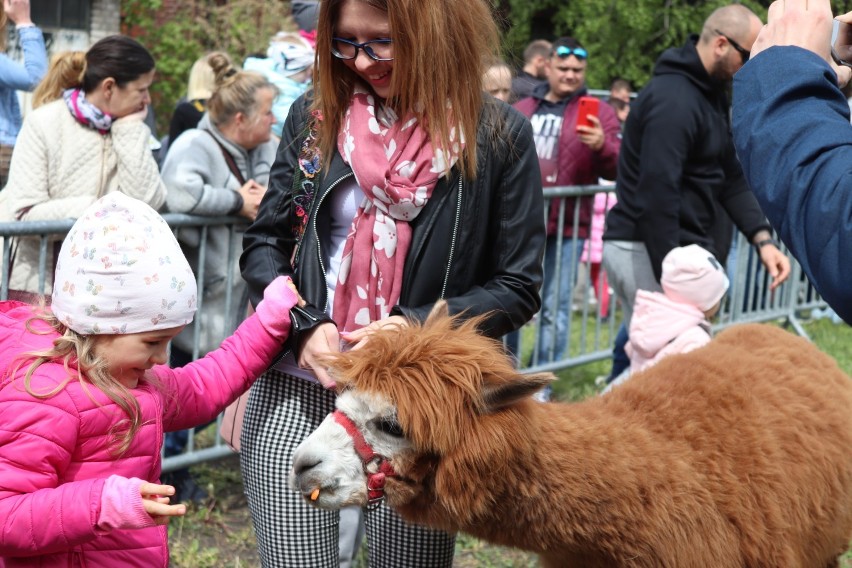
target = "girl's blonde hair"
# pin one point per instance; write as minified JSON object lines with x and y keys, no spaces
{"x":236,"y":90}
{"x":440,"y":49}
{"x":202,"y":80}
{"x":75,"y":350}
{"x":66,"y":70}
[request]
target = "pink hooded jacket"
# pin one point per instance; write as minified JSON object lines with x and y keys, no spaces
{"x":662,"y":327}
{"x":54,"y":452}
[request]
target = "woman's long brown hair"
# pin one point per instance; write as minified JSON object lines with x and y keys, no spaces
{"x":440,"y":50}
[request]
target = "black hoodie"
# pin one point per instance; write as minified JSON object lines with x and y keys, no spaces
{"x":677,"y":164}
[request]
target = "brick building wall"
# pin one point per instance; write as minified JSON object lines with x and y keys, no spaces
{"x":106,"y":19}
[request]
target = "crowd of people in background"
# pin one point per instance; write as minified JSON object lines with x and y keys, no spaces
{"x":331,"y":144}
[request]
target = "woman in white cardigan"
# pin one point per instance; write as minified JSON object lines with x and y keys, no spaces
{"x":89,"y":140}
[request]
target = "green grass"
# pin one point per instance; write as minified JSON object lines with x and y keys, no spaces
{"x":836,"y":340}
{"x":220,"y":534}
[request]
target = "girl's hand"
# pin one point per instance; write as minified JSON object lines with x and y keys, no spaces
{"x":300,"y":301}
{"x":320,"y":340}
{"x":359,"y":337}
{"x":155,"y":499}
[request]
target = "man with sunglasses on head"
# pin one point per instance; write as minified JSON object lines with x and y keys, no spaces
{"x":678,"y":173}
{"x":568,"y":154}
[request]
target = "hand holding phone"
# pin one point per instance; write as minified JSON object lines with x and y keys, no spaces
{"x":587,"y":106}
{"x":841,"y":43}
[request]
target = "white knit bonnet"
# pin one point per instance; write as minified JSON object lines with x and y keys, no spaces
{"x":121,"y":270}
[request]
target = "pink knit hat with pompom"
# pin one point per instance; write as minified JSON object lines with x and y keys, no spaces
{"x":691,"y":275}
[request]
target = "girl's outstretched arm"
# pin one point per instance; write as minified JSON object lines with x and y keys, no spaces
{"x":203,"y":388}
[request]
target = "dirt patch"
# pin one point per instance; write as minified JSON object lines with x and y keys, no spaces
{"x":218,"y":532}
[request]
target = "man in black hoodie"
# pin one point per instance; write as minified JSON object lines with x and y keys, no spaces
{"x":678,"y":167}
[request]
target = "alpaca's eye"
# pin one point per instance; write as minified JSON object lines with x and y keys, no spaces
{"x":390,"y":427}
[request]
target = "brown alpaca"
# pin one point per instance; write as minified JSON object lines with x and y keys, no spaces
{"x":736,"y":454}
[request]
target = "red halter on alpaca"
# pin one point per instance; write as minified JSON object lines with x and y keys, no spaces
{"x":376,"y":466}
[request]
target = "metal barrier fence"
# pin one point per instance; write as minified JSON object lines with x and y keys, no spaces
{"x":591,"y":331}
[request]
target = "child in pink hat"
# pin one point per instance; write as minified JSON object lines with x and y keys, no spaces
{"x":677,"y":320}
{"x":86,"y":395}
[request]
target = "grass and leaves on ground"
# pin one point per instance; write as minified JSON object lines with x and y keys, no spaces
{"x":219,"y":533}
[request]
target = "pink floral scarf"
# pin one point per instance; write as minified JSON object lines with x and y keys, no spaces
{"x":397,"y":167}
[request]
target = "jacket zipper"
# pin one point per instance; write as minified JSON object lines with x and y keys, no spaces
{"x":316,"y":234}
{"x":453,"y":239}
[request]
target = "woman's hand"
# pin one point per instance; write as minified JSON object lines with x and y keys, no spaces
{"x":156,"y":503}
{"x":252,"y":193}
{"x":359,"y":337}
{"x":18,"y":11}
{"x":138,"y":116}
{"x":320,"y":340}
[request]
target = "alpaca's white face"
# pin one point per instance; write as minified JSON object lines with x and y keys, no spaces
{"x":326,"y":460}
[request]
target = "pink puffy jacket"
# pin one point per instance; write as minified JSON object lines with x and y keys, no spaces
{"x":661,"y":327}
{"x":593,"y":247}
{"x":54,"y":458}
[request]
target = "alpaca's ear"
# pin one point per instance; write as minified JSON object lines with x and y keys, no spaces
{"x":440,"y":309}
{"x":497,"y":397}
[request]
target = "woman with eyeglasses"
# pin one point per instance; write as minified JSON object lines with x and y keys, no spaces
{"x":397,"y":183}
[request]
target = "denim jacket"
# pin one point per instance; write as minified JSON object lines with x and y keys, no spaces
{"x":792,"y":135}
{"x":15,"y":76}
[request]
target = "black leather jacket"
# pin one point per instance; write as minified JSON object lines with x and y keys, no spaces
{"x":477,"y":244}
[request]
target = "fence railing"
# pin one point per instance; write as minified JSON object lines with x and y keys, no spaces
{"x":591,"y":330}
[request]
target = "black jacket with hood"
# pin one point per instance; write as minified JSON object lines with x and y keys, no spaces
{"x":478,"y":243}
{"x":678,"y":165}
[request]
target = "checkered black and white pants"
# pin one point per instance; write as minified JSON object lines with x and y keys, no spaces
{"x":281,"y":412}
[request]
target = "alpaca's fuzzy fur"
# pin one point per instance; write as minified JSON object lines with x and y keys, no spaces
{"x":736,"y":454}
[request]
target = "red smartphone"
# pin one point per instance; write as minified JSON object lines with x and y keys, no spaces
{"x":588,"y":105}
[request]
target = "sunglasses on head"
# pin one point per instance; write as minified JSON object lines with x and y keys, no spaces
{"x":563,"y":51}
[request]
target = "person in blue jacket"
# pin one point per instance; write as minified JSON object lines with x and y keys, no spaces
{"x":16,"y":76}
{"x":794,"y":140}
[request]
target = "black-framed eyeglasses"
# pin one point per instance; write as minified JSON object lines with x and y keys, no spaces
{"x":744,"y":53}
{"x":564,"y":51}
{"x":377,"y":49}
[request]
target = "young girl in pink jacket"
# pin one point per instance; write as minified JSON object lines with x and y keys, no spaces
{"x":85,"y":395}
{"x":677,"y":320}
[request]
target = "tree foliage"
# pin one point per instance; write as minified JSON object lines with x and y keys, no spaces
{"x":624,"y":37}
{"x":195,"y":27}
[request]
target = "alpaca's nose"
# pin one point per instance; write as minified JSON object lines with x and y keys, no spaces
{"x":304,"y":461}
